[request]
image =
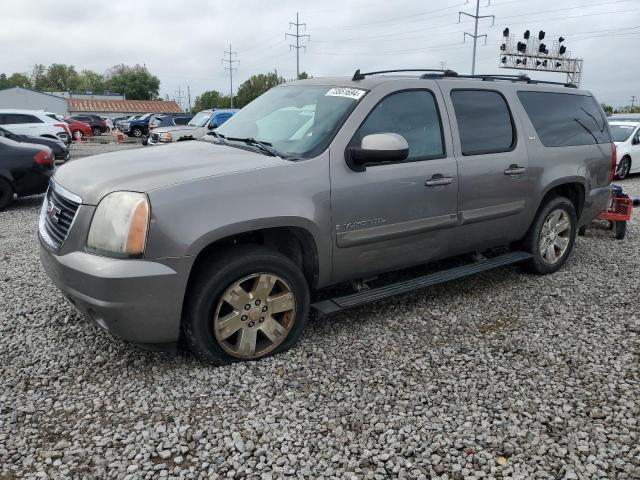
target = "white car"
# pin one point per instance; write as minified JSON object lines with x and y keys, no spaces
{"x":626,"y":135}
{"x":35,"y":123}
{"x":197,"y":127}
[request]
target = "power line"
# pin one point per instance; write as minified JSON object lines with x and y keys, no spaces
{"x":297,"y":36}
{"x":229,"y":66}
{"x":475,"y":35}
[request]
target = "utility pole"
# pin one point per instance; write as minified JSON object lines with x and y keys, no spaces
{"x":633,"y":100}
{"x":475,"y":35}
{"x":229,"y":66}
{"x":179,"y":96}
{"x":297,"y":36}
{"x":189,"y":96}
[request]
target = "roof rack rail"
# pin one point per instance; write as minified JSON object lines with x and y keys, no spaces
{"x":517,"y":78}
{"x":361,"y":76}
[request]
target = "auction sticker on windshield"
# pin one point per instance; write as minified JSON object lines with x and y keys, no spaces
{"x":354,"y":93}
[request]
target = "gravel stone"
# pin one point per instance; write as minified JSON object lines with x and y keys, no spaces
{"x":502,"y":375}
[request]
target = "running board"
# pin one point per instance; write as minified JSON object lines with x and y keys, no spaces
{"x":336,"y":304}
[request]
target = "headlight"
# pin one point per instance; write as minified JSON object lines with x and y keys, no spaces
{"x":119,"y":225}
{"x":166,"y":137}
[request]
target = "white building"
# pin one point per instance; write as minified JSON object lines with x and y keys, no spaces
{"x":25,"y":99}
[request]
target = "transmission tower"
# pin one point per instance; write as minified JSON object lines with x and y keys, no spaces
{"x":475,"y":35}
{"x":228,"y":65}
{"x":297,"y":36}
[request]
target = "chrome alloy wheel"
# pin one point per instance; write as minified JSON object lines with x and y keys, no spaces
{"x":555,"y":236}
{"x":254,"y":315}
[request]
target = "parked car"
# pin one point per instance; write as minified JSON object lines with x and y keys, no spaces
{"x":59,"y":149}
{"x":97,"y":123}
{"x":196,"y":128}
{"x":34,"y":123}
{"x":138,"y":127}
{"x":76,"y":129}
{"x":118,"y":120}
{"x":626,"y":135}
{"x":168,"y":121}
{"x":319,"y":182}
{"x":25,"y":169}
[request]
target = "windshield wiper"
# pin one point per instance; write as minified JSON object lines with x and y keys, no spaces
{"x":265,"y":147}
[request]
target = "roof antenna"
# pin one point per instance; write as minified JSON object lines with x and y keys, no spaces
{"x":357,"y":76}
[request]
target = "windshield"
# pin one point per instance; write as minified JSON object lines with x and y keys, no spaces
{"x":200,"y":119}
{"x":297,"y":120}
{"x":621,"y":133}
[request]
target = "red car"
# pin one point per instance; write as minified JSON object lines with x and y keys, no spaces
{"x":78,"y":129}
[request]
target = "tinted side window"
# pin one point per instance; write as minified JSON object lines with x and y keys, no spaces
{"x":181,"y":120}
{"x":563,"y":119}
{"x":484,"y":122}
{"x":412,"y":114}
{"x":16,"y":118}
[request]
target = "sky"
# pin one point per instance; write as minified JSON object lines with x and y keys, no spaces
{"x":183,"y":41}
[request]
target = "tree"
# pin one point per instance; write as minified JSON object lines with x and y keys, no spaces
{"x":90,"y":81}
{"x":19,"y":80}
{"x":210,"y":99}
{"x":62,"y":78}
{"x":606,"y":108}
{"x":304,"y":76}
{"x":39,"y":80}
{"x":4,"y":81}
{"x":255,"y":86}
{"x":136,"y":83}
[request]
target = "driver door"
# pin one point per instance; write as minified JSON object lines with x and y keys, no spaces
{"x":397,"y":214}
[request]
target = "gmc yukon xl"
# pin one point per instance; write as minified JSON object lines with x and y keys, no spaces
{"x":319,"y":182}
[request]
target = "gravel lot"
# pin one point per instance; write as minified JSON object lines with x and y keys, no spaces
{"x":503,"y":375}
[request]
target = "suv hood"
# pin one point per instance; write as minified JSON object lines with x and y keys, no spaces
{"x":146,"y":169}
{"x":174,"y":128}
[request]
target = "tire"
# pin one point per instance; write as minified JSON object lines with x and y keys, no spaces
{"x":6,"y":193}
{"x":623,"y":168}
{"x":96,"y":131}
{"x":136,"y":132}
{"x":77,"y":134}
{"x":621,"y":230}
{"x":243,"y":269}
{"x":543,"y":264}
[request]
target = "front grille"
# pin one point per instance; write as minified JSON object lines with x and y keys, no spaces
{"x":58,"y":213}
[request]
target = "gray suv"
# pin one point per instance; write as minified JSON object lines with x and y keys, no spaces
{"x":317,"y":182}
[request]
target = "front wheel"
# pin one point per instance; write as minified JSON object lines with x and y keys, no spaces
{"x":624,"y":167}
{"x":621,"y":229}
{"x":551,"y":236}
{"x":77,"y":134}
{"x":249,"y":303}
{"x":137,"y":132}
{"x":96,"y":131}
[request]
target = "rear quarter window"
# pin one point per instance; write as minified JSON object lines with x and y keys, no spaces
{"x":564,"y":119}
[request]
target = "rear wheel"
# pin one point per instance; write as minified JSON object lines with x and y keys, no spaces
{"x":77,"y":134}
{"x":551,"y":237}
{"x":249,"y":303}
{"x":96,"y":131}
{"x":624,"y":167}
{"x":621,"y":229}
{"x":6,"y":193}
{"x":136,"y":132}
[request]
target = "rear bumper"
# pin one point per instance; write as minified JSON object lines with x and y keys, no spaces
{"x":595,"y":202}
{"x":137,"y":300}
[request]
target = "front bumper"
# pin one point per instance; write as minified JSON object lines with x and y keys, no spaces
{"x":137,"y":300}
{"x":595,"y":203}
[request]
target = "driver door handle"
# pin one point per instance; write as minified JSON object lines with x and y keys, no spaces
{"x":438,"y":180}
{"x":514,"y":170}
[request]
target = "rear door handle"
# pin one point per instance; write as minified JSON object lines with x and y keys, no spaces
{"x":514,"y":170}
{"x":438,"y":180}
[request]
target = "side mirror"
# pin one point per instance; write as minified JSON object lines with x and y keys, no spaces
{"x":212,"y":126}
{"x":377,"y":148}
{"x":635,"y":141}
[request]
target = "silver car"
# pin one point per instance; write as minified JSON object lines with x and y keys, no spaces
{"x":318,"y":182}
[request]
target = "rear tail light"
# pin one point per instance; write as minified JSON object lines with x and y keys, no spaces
{"x":614,"y":161}
{"x":64,"y":126}
{"x":44,"y":158}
